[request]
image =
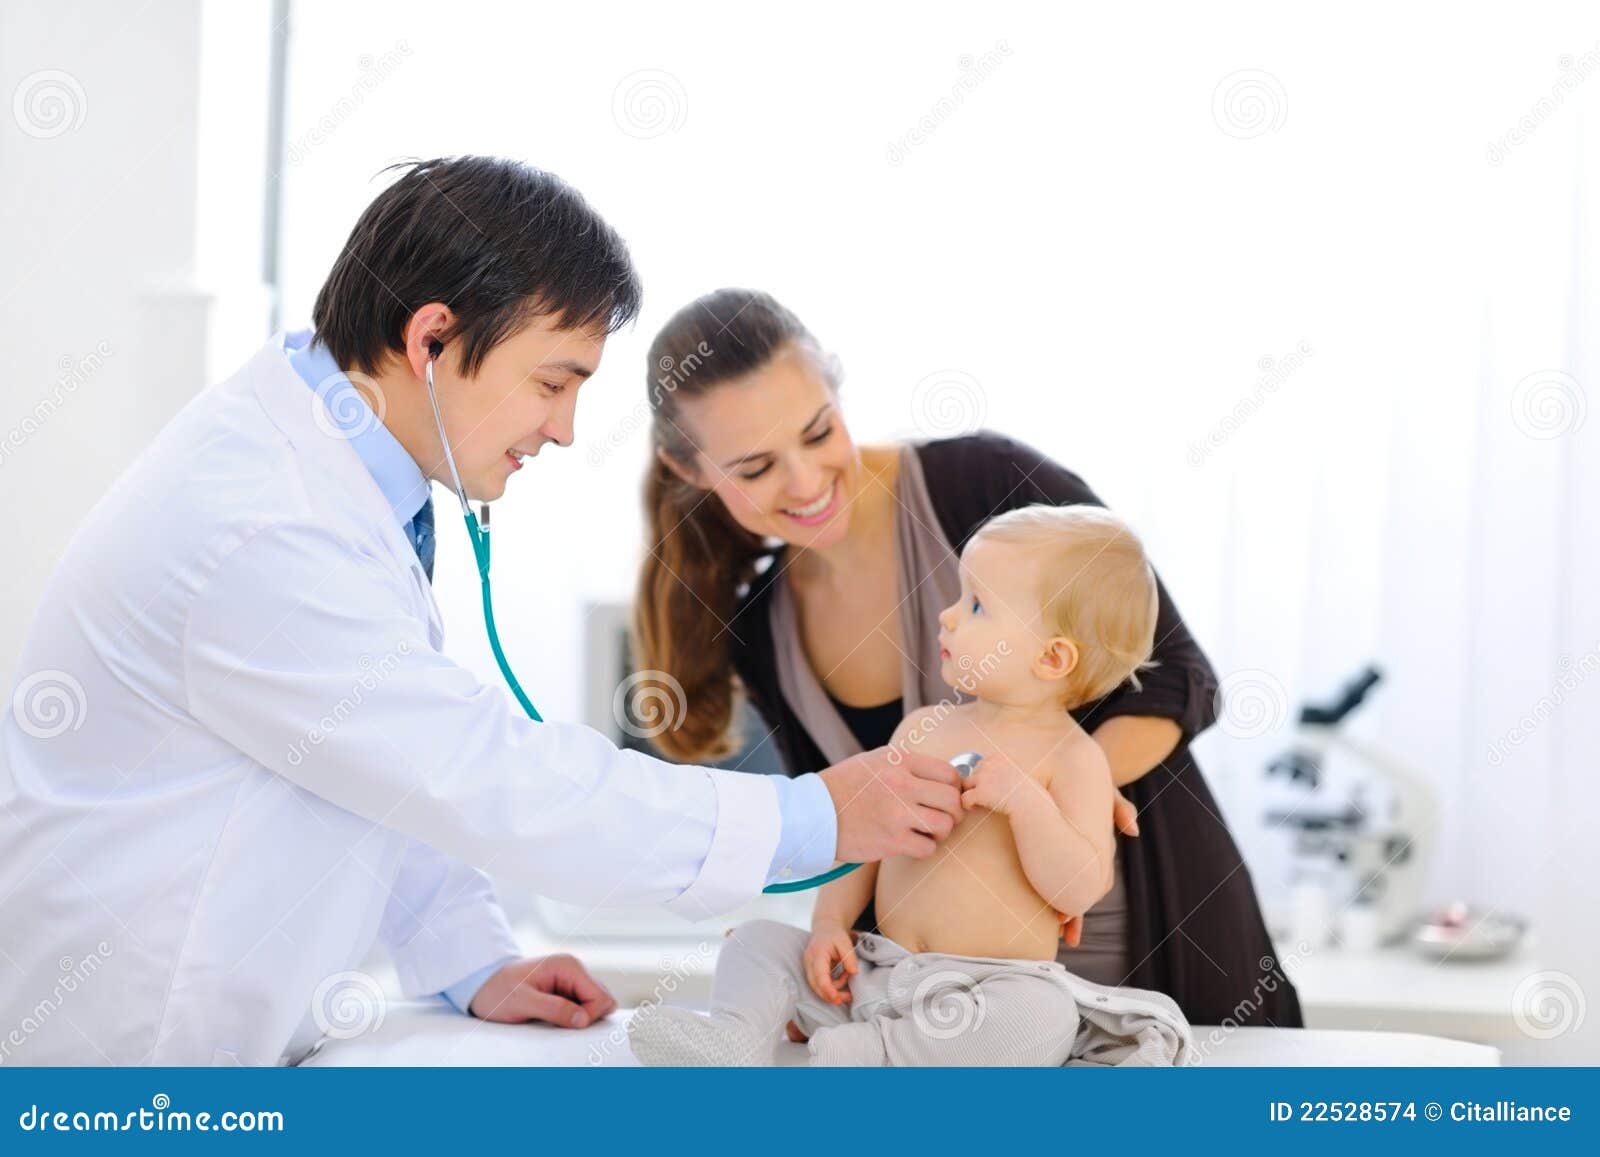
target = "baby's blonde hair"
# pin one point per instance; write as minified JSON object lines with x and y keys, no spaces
{"x":1098,"y":590}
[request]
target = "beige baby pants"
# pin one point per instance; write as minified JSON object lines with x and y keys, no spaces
{"x":907,"y":1009}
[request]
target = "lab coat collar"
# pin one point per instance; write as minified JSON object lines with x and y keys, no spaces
{"x":346,"y":414}
{"x":355,"y":497}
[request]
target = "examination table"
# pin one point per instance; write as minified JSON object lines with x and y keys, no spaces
{"x":429,"y":1032}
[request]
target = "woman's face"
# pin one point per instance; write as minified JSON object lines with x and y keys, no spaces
{"x":774,"y":450}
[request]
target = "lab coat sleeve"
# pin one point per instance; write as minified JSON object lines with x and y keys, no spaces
{"x":442,"y":922}
{"x":305,"y":651}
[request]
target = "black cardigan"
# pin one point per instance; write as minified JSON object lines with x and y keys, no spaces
{"x":1195,"y":930}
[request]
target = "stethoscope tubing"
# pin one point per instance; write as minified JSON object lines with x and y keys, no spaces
{"x":478,"y":534}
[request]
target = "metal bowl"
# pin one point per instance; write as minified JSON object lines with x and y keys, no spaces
{"x":1463,"y":932}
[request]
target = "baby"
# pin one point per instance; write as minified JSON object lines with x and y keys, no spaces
{"x":1057,"y":608}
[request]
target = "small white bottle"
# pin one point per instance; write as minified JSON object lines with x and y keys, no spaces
{"x":1310,"y":912}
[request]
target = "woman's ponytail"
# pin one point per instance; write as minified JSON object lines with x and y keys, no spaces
{"x":696,"y":556}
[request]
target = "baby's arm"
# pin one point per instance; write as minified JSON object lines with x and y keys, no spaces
{"x":841,"y":901}
{"x":838,"y":905}
{"x":831,"y":948}
{"x":1064,"y":834}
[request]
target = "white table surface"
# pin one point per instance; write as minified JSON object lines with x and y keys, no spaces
{"x":1400,"y":990}
{"x":430,"y":1033}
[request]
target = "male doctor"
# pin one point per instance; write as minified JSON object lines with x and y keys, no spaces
{"x":236,"y":758}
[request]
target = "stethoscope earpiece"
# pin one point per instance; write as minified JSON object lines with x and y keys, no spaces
{"x":434,"y":349}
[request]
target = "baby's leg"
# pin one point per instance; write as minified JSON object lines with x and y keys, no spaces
{"x":758,"y":981}
{"x":1009,"y":1018}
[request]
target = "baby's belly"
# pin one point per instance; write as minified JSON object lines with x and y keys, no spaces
{"x":970,"y":898}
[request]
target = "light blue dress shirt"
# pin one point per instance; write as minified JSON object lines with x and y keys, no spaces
{"x":807,"y":839}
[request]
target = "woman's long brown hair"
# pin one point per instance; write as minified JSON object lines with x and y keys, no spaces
{"x":697,"y":557}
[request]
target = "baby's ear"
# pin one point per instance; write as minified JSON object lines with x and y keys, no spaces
{"x":1058,"y":659}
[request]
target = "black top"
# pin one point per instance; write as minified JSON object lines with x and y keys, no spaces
{"x":872,"y":726}
{"x":1195,"y":930}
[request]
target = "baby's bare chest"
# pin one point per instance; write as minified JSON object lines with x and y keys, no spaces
{"x":1040,"y":757}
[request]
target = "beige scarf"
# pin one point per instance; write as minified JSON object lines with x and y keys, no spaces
{"x":928,"y":580}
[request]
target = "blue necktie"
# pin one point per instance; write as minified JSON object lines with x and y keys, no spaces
{"x":422,"y":528}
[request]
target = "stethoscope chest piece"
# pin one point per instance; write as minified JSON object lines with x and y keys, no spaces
{"x":966,"y":762}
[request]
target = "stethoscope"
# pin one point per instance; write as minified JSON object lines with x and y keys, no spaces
{"x":478,"y":532}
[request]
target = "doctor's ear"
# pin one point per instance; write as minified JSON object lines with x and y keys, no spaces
{"x":426,"y":333}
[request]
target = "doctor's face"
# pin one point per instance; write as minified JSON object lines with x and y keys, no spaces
{"x":522,"y":398}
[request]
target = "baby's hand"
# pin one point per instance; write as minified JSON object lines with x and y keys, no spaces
{"x":1000,"y":785}
{"x":830,"y":945}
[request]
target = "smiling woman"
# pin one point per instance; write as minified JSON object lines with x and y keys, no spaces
{"x":791,"y":565}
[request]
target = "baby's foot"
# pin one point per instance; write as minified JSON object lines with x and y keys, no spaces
{"x":677,"y":1036}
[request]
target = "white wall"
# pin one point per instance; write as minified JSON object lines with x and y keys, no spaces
{"x":1107,"y":247}
{"x":87,"y":217}
{"x":113,"y":184}
{"x":1093,"y":238}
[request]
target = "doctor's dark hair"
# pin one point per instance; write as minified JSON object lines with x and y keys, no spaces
{"x":697,"y":557}
{"x":500,"y":242}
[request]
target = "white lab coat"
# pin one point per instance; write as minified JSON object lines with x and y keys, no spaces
{"x":237,"y":759}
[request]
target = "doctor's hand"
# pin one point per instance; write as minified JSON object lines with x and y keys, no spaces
{"x":555,"y":989}
{"x":892,"y":802}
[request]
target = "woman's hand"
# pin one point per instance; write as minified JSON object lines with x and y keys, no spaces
{"x":1126,"y":817}
{"x":832,"y":945}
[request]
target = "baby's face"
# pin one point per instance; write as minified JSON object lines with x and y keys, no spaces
{"x":991,"y":636}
